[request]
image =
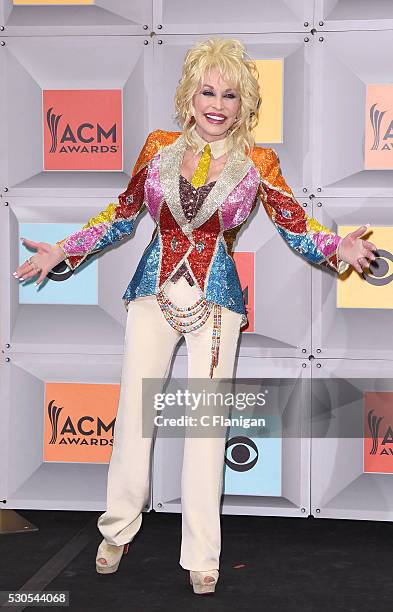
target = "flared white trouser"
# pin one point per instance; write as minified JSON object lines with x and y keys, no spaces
{"x":148,"y":349}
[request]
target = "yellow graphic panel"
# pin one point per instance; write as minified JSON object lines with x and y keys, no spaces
{"x":374,"y":289}
{"x":271,"y":83}
{"x":38,"y":2}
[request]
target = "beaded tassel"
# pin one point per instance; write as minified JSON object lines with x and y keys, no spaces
{"x":215,"y":337}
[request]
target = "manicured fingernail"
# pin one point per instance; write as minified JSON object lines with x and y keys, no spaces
{"x":21,"y":278}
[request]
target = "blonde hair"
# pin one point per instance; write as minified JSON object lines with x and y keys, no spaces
{"x":229,"y":57}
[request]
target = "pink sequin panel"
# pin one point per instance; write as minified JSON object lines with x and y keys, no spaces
{"x":326,"y":243}
{"x":83,"y":241}
{"x":238,"y":204}
{"x":153,"y":190}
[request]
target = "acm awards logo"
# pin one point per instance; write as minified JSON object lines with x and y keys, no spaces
{"x":77,"y":138}
{"x":386,"y":436}
{"x":378,"y":432}
{"x":378,"y":127}
{"x":82,"y":129}
{"x":376,"y":117}
{"x":86,"y":430}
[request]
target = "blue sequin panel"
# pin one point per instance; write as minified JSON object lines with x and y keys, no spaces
{"x":303,"y":245}
{"x":223,"y":285}
{"x":116,"y":231}
{"x":145,"y":278}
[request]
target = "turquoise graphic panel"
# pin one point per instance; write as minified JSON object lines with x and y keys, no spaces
{"x":253,"y":463}
{"x":61,"y":286}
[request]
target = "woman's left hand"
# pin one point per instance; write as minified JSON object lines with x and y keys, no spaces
{"x":355,"y":251}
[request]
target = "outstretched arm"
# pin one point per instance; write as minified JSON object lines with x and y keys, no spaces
{"x":305,"y":234}
{"x":117,"y":220}
{"x":109,"y":226}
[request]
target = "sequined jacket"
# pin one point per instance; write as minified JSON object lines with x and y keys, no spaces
{"x":205,"y":243}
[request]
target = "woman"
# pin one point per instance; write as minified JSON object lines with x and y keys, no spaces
{"x":199,"y":186}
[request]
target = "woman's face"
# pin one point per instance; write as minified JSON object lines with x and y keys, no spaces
{"x":216,"y":104}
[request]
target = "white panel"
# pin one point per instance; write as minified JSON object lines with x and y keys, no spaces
{"x":4,"y":429}
{"x":184,"y":16}
{"x":103,"y":17}
{"x":32,"y":65}
{"x":352,"y":333}
{"x":339,"y":487}
{"x":354,"y":15}
{"x":33,"y":483}
{"x":82,"y":328}
{"x":343,"y":66}
{"x":281,"y":277}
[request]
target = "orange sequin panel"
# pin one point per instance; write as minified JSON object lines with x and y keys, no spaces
{"x":268,"y":165}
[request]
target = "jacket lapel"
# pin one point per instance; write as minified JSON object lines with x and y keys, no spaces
{"x":234,"y":171}
{"x":171,"y":158}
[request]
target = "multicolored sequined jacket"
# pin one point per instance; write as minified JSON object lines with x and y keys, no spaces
{"x":205,"y":243}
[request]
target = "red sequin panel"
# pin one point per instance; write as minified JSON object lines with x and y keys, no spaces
{"x":74,"y":260}
{"x":285,"y":212}
{"x":333,"y":261}
{"x":206,"y":237}
{"x":170,"y":230}
{"x":131,"y":200}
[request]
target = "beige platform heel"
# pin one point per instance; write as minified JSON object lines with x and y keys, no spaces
{"x":112,"y":554}
{"x":198,"y":583}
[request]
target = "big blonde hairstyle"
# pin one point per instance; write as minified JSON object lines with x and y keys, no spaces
{"x":229,"y":57}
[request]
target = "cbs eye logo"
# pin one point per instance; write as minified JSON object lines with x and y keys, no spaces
{"x":380,"y":271}
{"x":240,"y":459}
{"x":60,"y":272}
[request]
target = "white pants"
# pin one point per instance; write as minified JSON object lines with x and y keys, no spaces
{"x":149,"y":345}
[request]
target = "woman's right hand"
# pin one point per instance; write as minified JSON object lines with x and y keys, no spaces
{"x":44,"y":260}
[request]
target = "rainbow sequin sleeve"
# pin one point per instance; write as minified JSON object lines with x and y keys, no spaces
{"x":113,"y":223}
{"x":302,"y":233}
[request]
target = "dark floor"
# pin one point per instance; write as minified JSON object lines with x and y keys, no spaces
{"x":285,"y":564}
